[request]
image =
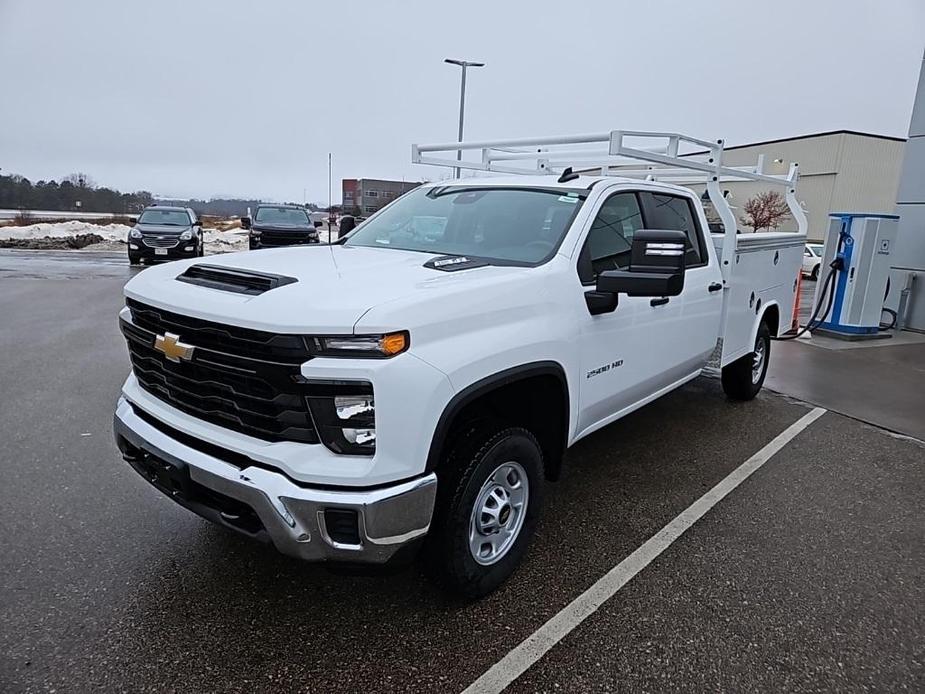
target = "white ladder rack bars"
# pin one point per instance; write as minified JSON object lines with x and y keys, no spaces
{"x":659,"y":158}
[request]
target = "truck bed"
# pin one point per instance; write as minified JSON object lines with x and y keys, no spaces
{"x":764,"y":273}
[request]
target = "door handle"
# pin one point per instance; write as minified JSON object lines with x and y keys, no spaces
{"x":715,"y":287}
{"x":659,"y":302}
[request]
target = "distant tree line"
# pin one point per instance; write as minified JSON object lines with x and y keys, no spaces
{"x":17,"y":192}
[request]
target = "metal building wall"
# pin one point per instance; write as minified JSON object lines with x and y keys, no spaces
{"x":385,"y":192}
{"x":838,"y":172}
{"x":909,"y":254}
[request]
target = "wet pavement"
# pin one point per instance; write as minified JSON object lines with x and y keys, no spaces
{"x":27,"y":264}
{"x":879,"y":381}
{"x":809,"y":577}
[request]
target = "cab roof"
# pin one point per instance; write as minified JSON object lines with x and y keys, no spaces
{"x":582,"y":182}
{"x":174,"y":208}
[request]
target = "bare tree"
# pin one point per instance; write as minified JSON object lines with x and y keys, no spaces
{"x":80,"y":180}
{"x":765,"y":210}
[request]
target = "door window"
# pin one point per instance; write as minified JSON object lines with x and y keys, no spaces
{"x":611,"y":237}
{"x":677,"y":213}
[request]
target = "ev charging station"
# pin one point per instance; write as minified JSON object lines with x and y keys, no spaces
{"x":861,"y":247}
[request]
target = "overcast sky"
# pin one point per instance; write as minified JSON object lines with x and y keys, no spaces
{"x":242,"y":98}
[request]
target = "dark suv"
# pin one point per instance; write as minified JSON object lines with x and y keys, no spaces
{"x":165,"y":233}
{"x":280,"y":225}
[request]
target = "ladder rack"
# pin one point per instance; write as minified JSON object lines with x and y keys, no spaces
{"x":653,"y":156}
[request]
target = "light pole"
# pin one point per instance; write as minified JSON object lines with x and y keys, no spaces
{"x":330,"y":198}
{"x":462,"y":98}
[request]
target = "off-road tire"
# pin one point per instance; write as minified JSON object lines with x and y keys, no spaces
{"x":740,"y":379}
{"x":471,"y":459}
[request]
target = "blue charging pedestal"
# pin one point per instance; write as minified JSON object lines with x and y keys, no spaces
{"x":865,"y":243}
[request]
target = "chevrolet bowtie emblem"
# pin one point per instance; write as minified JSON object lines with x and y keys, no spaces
{"x":172,"y":348}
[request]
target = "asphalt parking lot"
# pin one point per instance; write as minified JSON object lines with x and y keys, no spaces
{"x":808,"y":576}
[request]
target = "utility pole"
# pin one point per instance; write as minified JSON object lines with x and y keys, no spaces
{"x":464,"y":64}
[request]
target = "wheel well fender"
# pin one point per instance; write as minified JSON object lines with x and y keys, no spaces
{"x":770,"y":314}
{"x":542,"y":387}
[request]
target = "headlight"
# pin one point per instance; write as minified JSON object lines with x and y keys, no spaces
{"x":345,"y":414}
{"x":186,"y":235}
{"x":134,"y":234}
{"x":374,"y":346}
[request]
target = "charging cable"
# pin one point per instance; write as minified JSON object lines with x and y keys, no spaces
{"x":826,"y":296}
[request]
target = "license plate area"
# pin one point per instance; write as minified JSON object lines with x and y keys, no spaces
{"x":160,"y":251}
{"x":169,"y":478}
{"x":175,"y":482}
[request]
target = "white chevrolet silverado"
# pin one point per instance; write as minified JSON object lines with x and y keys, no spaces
{"x":416,"y":384}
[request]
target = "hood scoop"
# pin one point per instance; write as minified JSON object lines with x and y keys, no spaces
{"x":230,"y":279}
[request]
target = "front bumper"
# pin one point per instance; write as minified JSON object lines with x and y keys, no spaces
{"x":256,"y":242}
{"x":267,"y":505}
{"x":138,"y":249}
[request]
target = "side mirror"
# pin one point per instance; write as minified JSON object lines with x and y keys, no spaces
{"x":133,"y":220}
{"x":197,"y":223}
{"x":245,"y":222}
{"x":318,"y":225}
{"x":347,"y":224}
{"x":656,"y":269}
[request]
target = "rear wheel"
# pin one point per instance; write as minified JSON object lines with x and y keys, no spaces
{"x":743,"y":378}
{"x":487,"y":508}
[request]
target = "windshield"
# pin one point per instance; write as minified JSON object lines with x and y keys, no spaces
{"x":281,"y":215}
{"x":168,"y":218}
{"x":519,"y":226}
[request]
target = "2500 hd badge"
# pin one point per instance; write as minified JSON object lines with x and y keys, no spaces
{"x":604,"y":369}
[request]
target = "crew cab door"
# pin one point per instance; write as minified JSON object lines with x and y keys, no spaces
{"x":698,"y":310}
{"x":645,"y":344}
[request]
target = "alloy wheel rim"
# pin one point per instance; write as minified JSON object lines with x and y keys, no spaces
{"x":498,"y":513}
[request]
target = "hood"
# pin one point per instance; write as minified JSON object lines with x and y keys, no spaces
{"x":334,"y":286}
{"x":160,"y":229}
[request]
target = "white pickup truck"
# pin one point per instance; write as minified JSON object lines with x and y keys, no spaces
{"x":417,"y":382}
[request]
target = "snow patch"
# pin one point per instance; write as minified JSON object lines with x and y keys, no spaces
{"x":216,"y":241}
{"x":65,"y":230}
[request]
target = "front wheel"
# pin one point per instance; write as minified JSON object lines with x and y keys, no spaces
{"x":487,"y":509}
{"x":743,"y":378}
{"x":814,"y":275}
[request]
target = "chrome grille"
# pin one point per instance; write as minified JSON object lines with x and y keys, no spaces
{"x":161,"y":241}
